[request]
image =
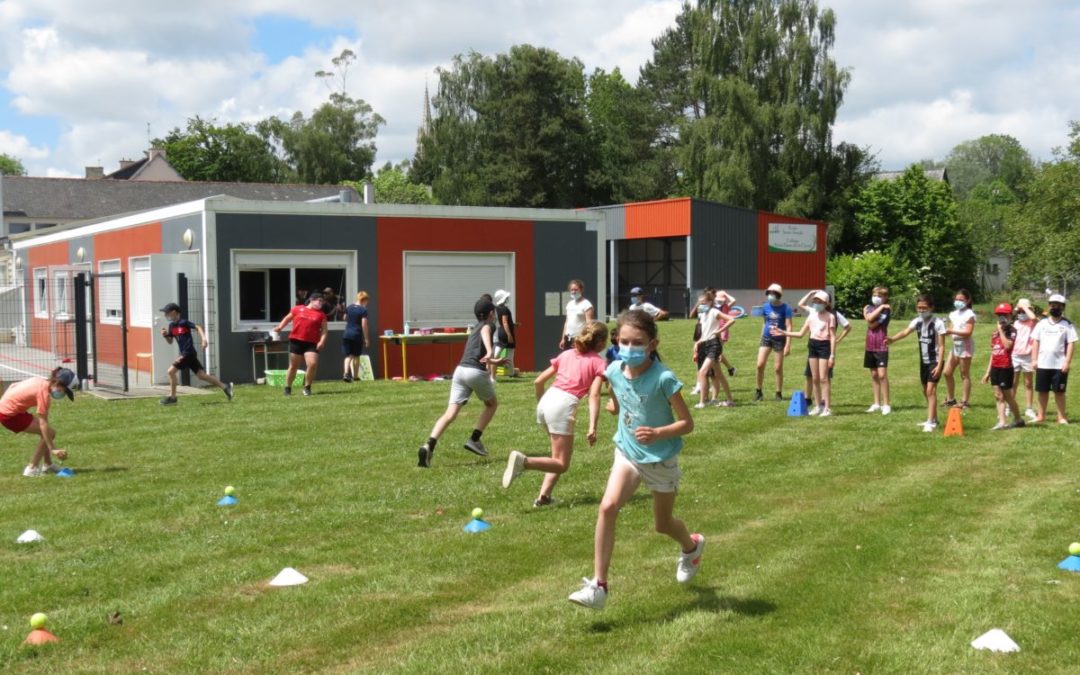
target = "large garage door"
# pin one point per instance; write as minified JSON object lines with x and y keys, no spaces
{"x":441,"y":288}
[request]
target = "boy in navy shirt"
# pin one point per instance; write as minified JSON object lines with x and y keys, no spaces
{"x":180,"y":330}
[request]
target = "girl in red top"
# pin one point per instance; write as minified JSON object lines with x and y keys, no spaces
{"x":305,"y":341}
{"x":999,"y":372}
{"x":577,"y":372}
{"x":37,"y":393}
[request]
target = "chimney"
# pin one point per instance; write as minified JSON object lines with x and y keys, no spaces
{"x":125,"y":163}
{"x":155,"y":152}
{"x":95,"y":172}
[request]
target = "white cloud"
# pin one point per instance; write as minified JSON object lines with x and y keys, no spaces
{"x":20,"y":147}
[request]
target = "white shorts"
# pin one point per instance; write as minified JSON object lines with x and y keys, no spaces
{"x":1022,"y":362}
{"x":468,"y":381}
{"x":557,"y":411}
{"x":660,"y":477}
{"x":963,"y":349}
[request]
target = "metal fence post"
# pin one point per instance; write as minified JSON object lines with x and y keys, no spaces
{"x":81,"y":367}
{"x":124,"y":327}
{"x":182,"y":300}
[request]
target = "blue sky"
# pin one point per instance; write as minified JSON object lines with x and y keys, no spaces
{"x":79,"y":88}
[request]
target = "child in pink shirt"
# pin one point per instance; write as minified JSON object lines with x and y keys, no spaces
{"x":577,"y":372}
{"x":37,"y":393}
{"x":1021,"y":354}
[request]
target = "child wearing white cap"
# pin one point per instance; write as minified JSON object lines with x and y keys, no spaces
{"x":1052,"y":345}
{"x":778,"y":315}
{"x":1021,"y":355}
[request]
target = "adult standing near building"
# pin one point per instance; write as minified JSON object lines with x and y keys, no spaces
{"x":355,"y":337}
{"x":305,"y":341}
{"x":505,"y":339}
{"x":638,"y":301}
{"x":579,"y":311}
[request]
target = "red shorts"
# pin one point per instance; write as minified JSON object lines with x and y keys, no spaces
{"x":17,"y":422}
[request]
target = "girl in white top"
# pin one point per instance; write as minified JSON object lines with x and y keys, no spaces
{"x":1021,"y":354}
{"x":579,"y":312}
{"x":821,"y":324}
{"x":708,"y":349}
{"x":961,"y":327}
{"x":1052,"y":345}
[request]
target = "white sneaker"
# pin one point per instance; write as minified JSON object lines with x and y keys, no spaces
{"x":699,"y":406}
{"x":590,"y":595}
{"x":695,"y":390}
{"x":826,"y":412}
{"x":689,"y":563}
{"x":874,"y":408}
{"x":886,"y":409}
{"x":31,"y":472}
{"x":813,"y":411}
{"x":515,"y":464}
{"x":1030,"y":414}
{"x":928,"y":426}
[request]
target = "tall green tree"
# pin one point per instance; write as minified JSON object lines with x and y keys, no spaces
{"x":11,"y":166}
{"x":628,"y":163}
{"x":392,"y":186}
{"x":914,"y":219}
{"x":1044,"y":233}
{"x":509,"y":130}
{"x":764,"y":93}
{"x":206,"y":151}
{"x":995,"y":157}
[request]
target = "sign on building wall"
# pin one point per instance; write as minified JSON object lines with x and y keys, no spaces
{"x":792,"y":238}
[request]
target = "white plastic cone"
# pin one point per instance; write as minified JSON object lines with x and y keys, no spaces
{"x":996,"y":641}
{"x":29,"y":536}
{"x":288,"y":577}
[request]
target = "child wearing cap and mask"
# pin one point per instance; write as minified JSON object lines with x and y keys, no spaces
{"x":777,"y":315}
{"x":1021,"y":354}
{"x":37,"y":393}
{"x":637,"y":301}
{"x":999,"y":371}
{"x":821,"y":355}
{"x":1052,"y":345}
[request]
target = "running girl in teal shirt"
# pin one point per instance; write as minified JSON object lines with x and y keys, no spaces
{"x":653,"y":417}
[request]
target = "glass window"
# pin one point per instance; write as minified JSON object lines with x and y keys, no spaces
{"x":142,"y":309}
{"x":268,"y":284}
{"x":61,"y":284}
{"x":41,"y":293}
{"x":110,"y":296}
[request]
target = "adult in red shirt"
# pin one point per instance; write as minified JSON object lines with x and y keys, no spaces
{"x":305,"y":341}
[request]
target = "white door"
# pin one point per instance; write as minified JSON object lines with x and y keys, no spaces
{"x":164,"y":269}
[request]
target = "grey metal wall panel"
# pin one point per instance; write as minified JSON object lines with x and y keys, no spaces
{"x":268,"y":231}
{"x":172,"y":234}
{"x":563,"y":251}
{"x":75,"y":244}
{"x":724,"y":241}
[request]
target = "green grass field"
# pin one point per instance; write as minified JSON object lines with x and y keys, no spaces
{"x":850,"y":544}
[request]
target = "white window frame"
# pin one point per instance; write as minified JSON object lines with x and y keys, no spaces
{"x":265,"y":259}
{"x":61,"y":282}
{"x":139,"y":295}
{"x":41,"y":292}
{"x":103,"y":308}
{"x":461,"y":313}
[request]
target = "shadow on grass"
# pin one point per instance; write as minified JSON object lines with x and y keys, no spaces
{"x":104,"y":469}
{"x":706,"y":599}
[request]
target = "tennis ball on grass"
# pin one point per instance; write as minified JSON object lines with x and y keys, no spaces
{"x":477,"y":512}
{"x":38,"y":621}
{"x":230,"y":490}
{"x":1074,"y":548}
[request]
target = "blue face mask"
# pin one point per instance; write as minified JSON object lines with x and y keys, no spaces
{"x":56,"y":394}
{"x":818,"y":307}
{"x":959,"y":304}
{"x":702,"y":309}
{"x":632,"y":356}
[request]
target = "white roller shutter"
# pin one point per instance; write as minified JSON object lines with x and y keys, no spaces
{"x":441,"y":288}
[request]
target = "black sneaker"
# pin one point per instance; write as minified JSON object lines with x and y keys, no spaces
{"x":476,"y":447}
{"x":949,"y":402}
{"x":731,"y":371}
{"x":307,"y":390}
{"x":758,"y":395}
{"x":424,"y":455}
{"x":347,"y":379}
{"x":1018,"y":424}
{"x":228,"y":391}
{"x":543,"y":500}
{"x":169,"y":400}
{"x":779,"y":396}
{"x":288,"y":391}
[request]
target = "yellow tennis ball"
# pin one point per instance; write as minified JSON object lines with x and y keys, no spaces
{"x":1074,"y":548}
{"x":230,"y":490}
{"x":477,"y":512}
{"x":38,"y":620}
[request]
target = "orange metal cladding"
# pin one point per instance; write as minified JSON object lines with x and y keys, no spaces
{"x":43,"y":256}
{"x":791,"y":270}
{"x":141,"y":240}
{"x":664,"y":218}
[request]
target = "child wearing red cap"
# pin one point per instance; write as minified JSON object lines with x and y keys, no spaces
{"x":999,"y":371}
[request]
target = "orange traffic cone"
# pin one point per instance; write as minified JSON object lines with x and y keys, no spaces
{"x":40,"y":636}
{"x":954,"y":426}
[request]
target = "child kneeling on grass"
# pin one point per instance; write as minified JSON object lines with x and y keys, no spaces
{"x":37,"y":393}
{"x":180,"y":330}
{"x":647,"y":444}
{"x":577,"y":372}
